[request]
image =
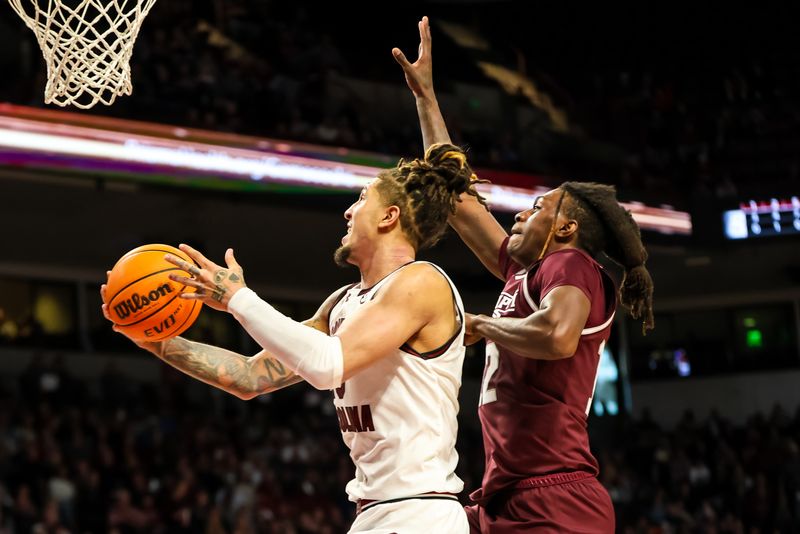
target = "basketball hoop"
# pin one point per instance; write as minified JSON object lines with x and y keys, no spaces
{"x":87,"y":45}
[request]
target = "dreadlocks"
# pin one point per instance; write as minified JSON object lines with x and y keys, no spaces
{"x":607,"y":227}
{"x":427,"y":191}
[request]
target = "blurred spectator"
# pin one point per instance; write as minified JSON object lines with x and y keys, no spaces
{"x":8,"y":328}
{"x":71,"y":464}
{"x":77,"y":463}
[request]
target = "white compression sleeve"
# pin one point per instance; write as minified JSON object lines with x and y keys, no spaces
{"x":308,"y":352}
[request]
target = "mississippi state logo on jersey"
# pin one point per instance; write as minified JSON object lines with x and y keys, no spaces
{"x":506,"y":302}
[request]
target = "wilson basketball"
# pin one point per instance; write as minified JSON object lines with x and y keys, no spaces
{"x":143,"y":302}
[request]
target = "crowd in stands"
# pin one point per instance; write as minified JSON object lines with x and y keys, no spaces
{"x":709,"y":476}
{"x":119,"y":457}
{"x":260,"y":68}
{"x":113,"y":455}
{"x":714,"y":134}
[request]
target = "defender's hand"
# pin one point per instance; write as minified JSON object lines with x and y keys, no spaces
{"x":419,"y":75}
{"x":470,"y":336}
{"x":215,"y":285}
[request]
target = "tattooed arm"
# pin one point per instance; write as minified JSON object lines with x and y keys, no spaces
{"x":238,"y":375}
{"x":245,"y":377}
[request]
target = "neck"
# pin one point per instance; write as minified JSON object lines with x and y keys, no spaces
{"x":384,"y":261}
{"x":553,"y":247}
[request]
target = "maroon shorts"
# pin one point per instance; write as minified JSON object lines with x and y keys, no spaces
{"x":544,"y":506}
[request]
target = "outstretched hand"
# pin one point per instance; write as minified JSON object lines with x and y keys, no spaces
{"x":215,"y":285}
{"x":419,"y":75}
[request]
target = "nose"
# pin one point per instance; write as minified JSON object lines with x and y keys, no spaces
{"x":348,"y":213}
{"x":522,"y":215}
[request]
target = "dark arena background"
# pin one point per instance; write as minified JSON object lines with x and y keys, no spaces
{"x":253,"y":124}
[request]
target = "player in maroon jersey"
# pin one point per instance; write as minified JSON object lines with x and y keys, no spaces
{"x":544,"y":339}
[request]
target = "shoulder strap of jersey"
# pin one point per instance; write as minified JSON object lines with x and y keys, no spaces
{"x":338,"y":301}
{"x":459,"y":304}
{"x":610,"y":294}
{"x":459,"y":335}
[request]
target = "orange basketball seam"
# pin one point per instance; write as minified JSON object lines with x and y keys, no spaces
{"x":132,"y":253}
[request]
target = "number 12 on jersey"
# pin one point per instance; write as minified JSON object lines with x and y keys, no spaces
{"x":492,"y":363}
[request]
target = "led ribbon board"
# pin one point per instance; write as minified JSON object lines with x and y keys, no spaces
{"x":72,"y":143}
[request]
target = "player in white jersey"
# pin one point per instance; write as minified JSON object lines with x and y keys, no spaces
{"x":393,"y":458}
{"x":391,"y":346}
{"x":398,"y":418}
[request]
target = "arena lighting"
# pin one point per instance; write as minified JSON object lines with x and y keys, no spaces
{"x":207,"y":160}
{"x":149,"y":152}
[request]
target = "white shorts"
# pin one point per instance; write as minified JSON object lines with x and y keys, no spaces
{"x":412,"y":516}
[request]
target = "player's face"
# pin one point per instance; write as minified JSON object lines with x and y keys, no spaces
{"x":362,"y":224}
{"x":529,"y":233}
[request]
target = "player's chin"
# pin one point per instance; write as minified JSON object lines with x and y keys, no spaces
{"x":520,"y":249}
{"x":342,"y":255}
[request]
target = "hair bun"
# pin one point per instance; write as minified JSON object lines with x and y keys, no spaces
{"x":449,"y":162}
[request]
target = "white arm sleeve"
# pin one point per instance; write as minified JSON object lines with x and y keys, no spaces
{"x":308,"y":352}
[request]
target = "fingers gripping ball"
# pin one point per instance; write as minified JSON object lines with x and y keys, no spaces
{"x":143,"y":302}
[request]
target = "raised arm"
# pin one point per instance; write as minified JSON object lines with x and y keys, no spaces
{"x":476,"y":226}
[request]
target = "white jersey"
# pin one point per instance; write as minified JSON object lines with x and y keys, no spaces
{"x":398,"y":416}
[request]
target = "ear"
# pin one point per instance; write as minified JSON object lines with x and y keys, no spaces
{"x":391,"y":216}
{"x":566,"y":228}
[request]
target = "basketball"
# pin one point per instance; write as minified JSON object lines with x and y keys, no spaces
{"x":143,"y":302}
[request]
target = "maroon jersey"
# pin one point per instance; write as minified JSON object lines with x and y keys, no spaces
{"x":533,"y":412}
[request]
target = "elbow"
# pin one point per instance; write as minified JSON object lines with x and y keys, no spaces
{"x":322,"y":384}
{"x":563,"y":345}
{"x":245,"y":393}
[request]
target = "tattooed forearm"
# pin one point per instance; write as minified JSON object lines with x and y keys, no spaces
{"x":242,"y":376}
{"x":273,"y":375}
{"x":211,"y":365}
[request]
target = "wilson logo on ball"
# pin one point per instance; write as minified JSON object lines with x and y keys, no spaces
{"x":138,"y":302}
{"x":143,"y":302}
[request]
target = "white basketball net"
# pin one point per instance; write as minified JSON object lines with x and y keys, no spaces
{"x":87,"y":45}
